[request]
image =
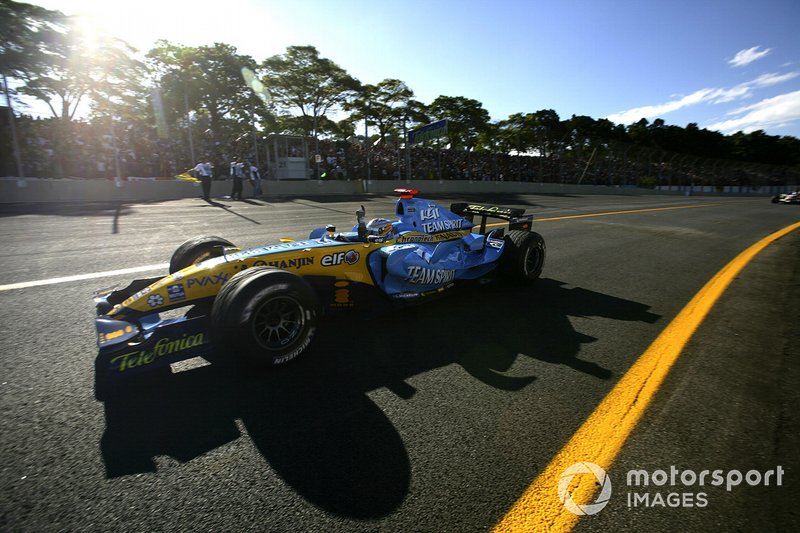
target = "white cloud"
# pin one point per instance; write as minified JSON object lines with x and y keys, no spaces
{"x":744,"y":90}
{"x":768,"y":113}
{"x":653,"y":111}
{"x":747,"y":56}
{"x":716,"y":96}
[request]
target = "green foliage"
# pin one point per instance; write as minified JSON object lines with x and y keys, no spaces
{"x":206,"y":83}
{"x":467,"y":119}
{"x":201,"y":91}
{"x":301,"y":80}
{"x":541,"y":132}
{"x":385,"y":106}
{"x":24,"y":29}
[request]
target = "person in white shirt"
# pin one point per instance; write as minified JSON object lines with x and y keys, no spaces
{"x":255,"y":181}
{"x":203,"y":172}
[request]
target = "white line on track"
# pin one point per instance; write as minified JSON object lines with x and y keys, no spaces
{"x":78,"y":277}
{"x":161,"y":266}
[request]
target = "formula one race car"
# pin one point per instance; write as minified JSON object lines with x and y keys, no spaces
{"x":788,"y":198}
{"x":263,"y":304}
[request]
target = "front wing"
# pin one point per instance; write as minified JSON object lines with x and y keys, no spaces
{"x":125,"y":348}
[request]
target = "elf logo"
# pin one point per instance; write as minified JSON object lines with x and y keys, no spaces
{"x":430,"y":213}
{"x":350,"y":257}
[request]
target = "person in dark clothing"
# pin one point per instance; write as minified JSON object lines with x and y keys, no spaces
{"x":237,"y":171}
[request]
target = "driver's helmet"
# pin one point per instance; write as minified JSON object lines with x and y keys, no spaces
{"x":379,"y":227}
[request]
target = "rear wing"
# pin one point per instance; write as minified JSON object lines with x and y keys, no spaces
{"x":516,"y":217}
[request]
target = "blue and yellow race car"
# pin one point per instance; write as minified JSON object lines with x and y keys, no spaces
{"x":262,"y":305}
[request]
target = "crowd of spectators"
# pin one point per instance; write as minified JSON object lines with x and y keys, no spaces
{"x":384,"y":161}
{"x":96,"y":150}
{"x":89,"y":150}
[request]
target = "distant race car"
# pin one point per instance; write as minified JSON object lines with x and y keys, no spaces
{"x":263,"y":304}
{"x":788,"y":198}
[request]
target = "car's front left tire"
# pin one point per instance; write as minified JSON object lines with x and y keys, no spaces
{"x":197,"y":250}
{"x":265,"y":315}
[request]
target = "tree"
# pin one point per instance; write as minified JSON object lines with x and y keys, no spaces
{"x":73,"y":67}
{"x":516,"y":133}
{"x":411,"y":112}
{"x":62,"y":66}
{"x":23,"y":29}
{"x":467,"y":119}
{"x":312,"y":85}
{"x":211,"y":82}
{"x":362,"y":105}
{"x":639,"y":132}
{"x":222,"y":90}
{"x":391,"y":99}
{"x":541,"y":132}
{"x":219,"y":99}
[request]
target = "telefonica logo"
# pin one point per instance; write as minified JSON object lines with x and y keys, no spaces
{"x":602,"y":479}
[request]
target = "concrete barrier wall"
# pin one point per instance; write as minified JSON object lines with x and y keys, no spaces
{"x":498,"y":187}
{"x":76,"y":190}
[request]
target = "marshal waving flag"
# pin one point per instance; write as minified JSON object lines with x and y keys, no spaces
{"x":185,"y":176}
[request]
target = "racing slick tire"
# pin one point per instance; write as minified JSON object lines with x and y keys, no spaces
{"x":523,"y":256}
{"x":775,"y":199}
{"x":266,"y":315}
{"x":196,"y":250}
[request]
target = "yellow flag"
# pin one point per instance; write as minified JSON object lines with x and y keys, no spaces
{"x":186,"y":177}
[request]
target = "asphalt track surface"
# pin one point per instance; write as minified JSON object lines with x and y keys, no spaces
{"x":434,"y":418}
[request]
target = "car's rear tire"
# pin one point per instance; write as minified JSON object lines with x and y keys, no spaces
{"x":196,"y":250}
{"x":523,"y":256}
{"x":266,"y":315}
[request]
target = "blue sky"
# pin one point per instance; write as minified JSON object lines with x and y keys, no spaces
{"x":727,"y":66}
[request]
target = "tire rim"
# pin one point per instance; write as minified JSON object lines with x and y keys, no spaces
{"x":532,"y":260}
{"x":277,"y":322}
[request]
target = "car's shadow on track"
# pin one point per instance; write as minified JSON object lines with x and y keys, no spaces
{"x":312,"y":420}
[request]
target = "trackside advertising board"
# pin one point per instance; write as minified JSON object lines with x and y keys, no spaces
{"x":431,"y":131}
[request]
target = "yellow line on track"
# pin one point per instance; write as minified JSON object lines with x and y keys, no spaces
{"x":607,"y":213}
{"x":628,"y":211}
{"x":602,"y":436}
